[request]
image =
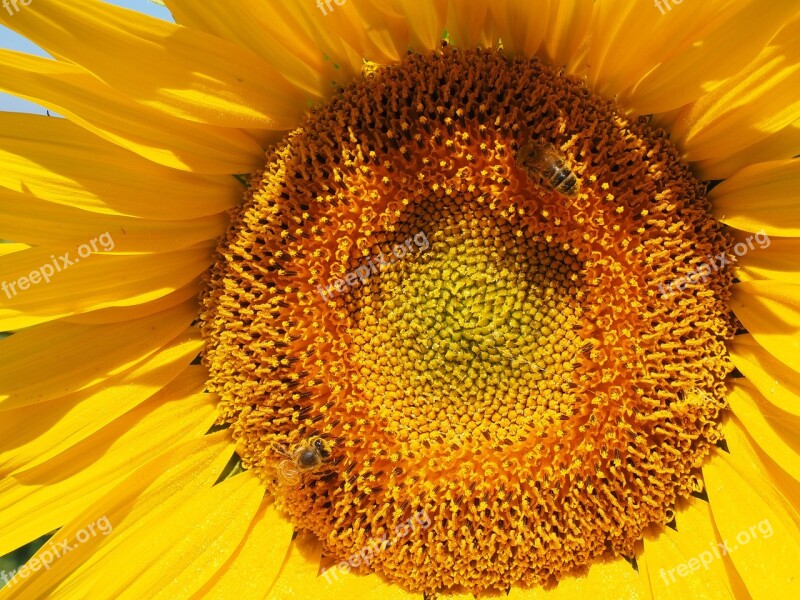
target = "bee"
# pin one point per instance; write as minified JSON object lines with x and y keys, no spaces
{"x":306,"y":457}
{"x":543,"y":159}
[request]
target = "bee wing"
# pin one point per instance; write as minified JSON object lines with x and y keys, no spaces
{"x":279,"y":450}
{"x":288,"y":472}
{"x":533,"y":154}
{"x":526,"y":153}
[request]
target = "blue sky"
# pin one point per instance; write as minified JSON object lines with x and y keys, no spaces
{"x":12,"y":41}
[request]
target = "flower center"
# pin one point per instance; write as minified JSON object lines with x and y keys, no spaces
{"x":466,"y":338}
{"x":445,"y":325}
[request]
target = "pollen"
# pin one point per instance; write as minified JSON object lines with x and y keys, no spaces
{"x":539,"y":376}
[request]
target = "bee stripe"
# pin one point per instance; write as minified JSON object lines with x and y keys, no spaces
{"x":568,"y":186}
{"x":559,"y":176}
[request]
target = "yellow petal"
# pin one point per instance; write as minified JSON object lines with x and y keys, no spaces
{"x":44,"y":284}
{"x":34,"y":434}
{"x":780,"y":145}
{"x":387,"y":27}
{"x":761,"y":536}
{"x":770,"y":311}
{"x":630,"y":39}
{"x":354,"y":30}
{"x":521,"y":25}
{"x":751,"y":462}
{"x":229,"y":87}
{"x":776,"y":382}
{"x":373,"y":32}
{"x":260,"y":556}
{"x":610,"y":579}
{"x":306,"y":42}
{"x":566,"y":32}
{"x":750,"y":106}
{"x":57,"y":161}
{"x":359,"y":586}
{"x":253,"y":25}
{"x":643,"y":567}
{"x":117,"y":314}
{"x":22,"y":216}
{"x":775,"y":258}
{"x":703,"y":60}
{"x":298,"y":39}
{"x":425,"y":20}
{"x":683,"y":564}
{"x":93,"y":354}
{"x":7,"y":249}
{"x":300,"y":569}
{"x":41,"y":498}
{"x":778,"y":435}
{"x":175,"y":476}
{"x":461,"y":595}
{"x":300,"y":578}
{"x":761,"y":196}
{"x":467,"y":20}
{"x":622,"y":35}
{"x":180,"y":559}
{"x":88,"y":102}
{"x":331,"y":31}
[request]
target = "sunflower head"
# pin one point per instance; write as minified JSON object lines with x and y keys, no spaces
{"x":412,"y":281}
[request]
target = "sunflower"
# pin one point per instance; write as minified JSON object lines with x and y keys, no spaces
{"x":400,"y":299}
